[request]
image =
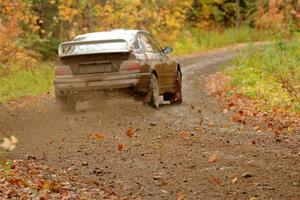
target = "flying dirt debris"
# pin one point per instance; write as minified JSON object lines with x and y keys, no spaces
{"x":116,"y":59}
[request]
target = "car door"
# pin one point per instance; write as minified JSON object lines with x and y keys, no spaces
{"x":152,"y":55}
{"x":167,"y":68}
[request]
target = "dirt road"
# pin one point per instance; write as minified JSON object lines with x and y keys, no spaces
{"x":190,"y":151}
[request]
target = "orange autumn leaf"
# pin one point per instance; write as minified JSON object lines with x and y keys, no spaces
{"x":180,"y":195}
{"x":130,"y":132}
{"x":235,"y":118}
{"x":238,"y":118}
{"x":15,"y":181}
{"x":213,"y":158}
{"x":120,"y":147}
{"x":215,"y":180}
{"x":183,"y":134}
{"x":241,"y":112}
{"x":98,"y":136}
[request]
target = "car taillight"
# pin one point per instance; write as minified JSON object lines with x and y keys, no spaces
{"x":130,"y":66}
{"x":62,"y":70}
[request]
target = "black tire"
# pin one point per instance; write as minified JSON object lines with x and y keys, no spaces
{"x":177,"y":98}
{"x":59,"y":97}
{"x":154,"y":87}
{"x":64,"y":100}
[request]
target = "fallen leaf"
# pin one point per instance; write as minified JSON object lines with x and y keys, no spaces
{"x":241,"y":129}
{"x":130,"y":132}
{"x":230,"y":104}
{"x":213,"y":158}
{"x":120,"y":147}
{"x":235,"y":118}
{"x":246,"y":175}
{"x":280,"y":128}
{"x":13,"y":139}
{"x":99,"y":136}
{"x":9,"y":143}
{"x":256,"y":128}
{"x":241,"y":112}
{"x":192,"y":107}
{"x":290,"y":129}
{"x":183,"y":134}
{"x":12,"y":193}
{"x":234,"y":180}
{"x":138,"y":198}
{"x":201,"y":123}
{"x":180,"y":195}
{"x":276,"y":134}
{"x":270,"y":125}
{"x":15,"y":181}
{"x":215,"y":180}
{"x":43,"y":185}
{"x":238,"y":118}
{"x":275,"y":109}
{"x":2,"y":180}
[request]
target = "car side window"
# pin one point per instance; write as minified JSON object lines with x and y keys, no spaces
{"x":136,"y":44}
{"x":145,"y":43}
{"x":156,"y":47}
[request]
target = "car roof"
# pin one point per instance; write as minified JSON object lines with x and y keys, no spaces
{"x":127,"y":35}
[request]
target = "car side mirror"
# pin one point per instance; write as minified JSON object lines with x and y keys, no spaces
{"x":167,"y":50}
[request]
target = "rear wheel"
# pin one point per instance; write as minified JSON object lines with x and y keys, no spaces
{"x":65,"y":100}
{"x":154,"y":87}
{"x":177,"y":97}
{"x":59,"y":96}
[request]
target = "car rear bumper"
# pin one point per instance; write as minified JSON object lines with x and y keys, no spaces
{"x":99,"y":81}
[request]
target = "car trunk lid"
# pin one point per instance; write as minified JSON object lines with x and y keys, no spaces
{"x":96,"y":63}
{"x":97,"y":56}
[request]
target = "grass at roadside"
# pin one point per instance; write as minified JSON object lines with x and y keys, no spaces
{"x":20,"y":82}
{"x":195,"y":40}
{"x":271,"y":74}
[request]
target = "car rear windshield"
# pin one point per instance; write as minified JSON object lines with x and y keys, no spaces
{"x":97,"y":43}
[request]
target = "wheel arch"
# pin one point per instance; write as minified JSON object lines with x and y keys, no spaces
{"x":154,"y":72}
{"x":178,"y":68}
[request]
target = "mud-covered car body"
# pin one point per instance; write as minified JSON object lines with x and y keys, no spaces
{"x":114,"y":59}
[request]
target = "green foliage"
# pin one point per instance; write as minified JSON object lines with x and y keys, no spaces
{"x":211,"y":13}
{"x":20,"y":82}
{"x":46,"y":47}
{"x":6,"y":166}
{"x":200,"y":40}
{"x":271,"y":73}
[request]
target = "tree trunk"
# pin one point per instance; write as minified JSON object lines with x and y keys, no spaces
{"x":90,"y":15}
{"x":238,"y":13}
